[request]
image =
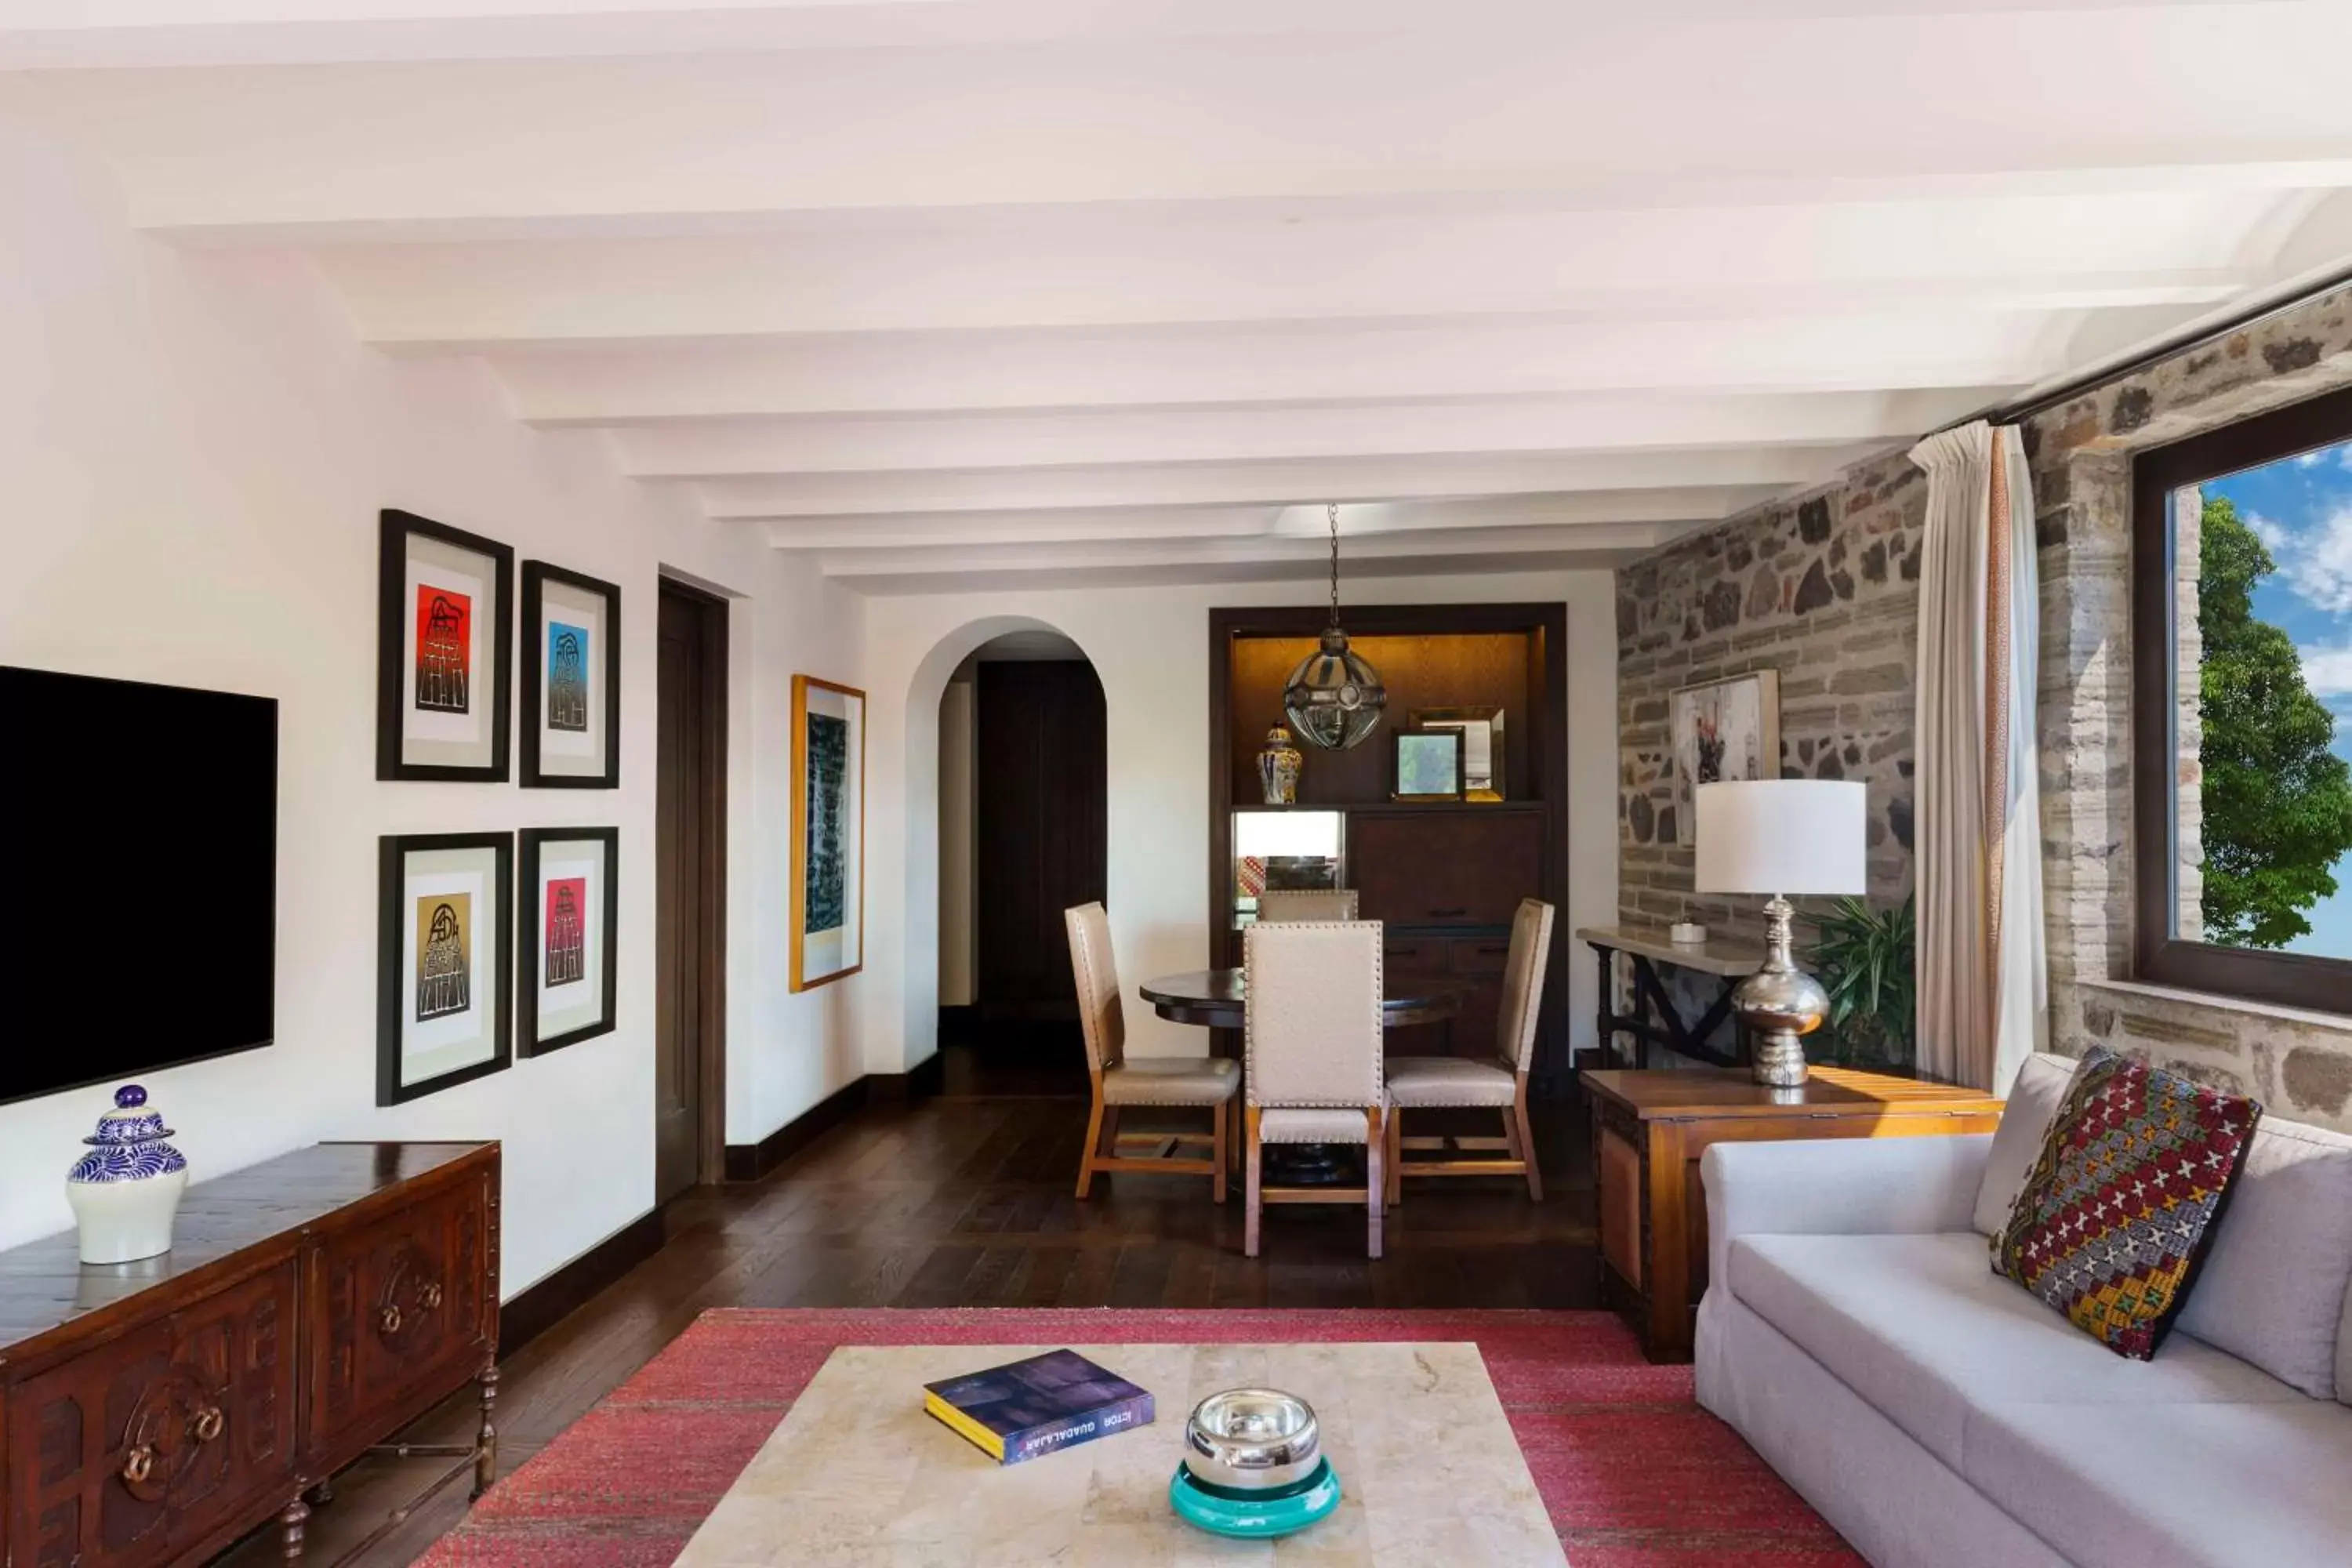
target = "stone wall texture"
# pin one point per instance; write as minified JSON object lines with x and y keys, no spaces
{"x":1824,"y":589}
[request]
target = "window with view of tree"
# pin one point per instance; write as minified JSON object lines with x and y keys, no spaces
{"x":2243,"y":706}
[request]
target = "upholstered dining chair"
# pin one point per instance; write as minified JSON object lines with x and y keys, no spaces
{"x":1311,"y":1034}
{"x":1120,"y":1081}
{"x":1424,"y":1083}
{"x":1306,"y":904}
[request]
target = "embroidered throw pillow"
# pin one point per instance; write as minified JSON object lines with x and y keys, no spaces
{"x":2124,"y":1199}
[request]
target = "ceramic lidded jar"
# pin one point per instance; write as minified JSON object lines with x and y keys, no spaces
{"x":1278,"y":768}
{"x":126,"y":1190}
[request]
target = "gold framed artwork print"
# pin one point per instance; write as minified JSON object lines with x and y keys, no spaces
{"x":828,"y":879}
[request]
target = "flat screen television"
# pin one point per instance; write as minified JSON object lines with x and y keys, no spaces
{"x":140,"y":826}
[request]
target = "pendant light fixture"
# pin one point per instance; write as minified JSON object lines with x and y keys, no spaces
{"x":1334,"y":698}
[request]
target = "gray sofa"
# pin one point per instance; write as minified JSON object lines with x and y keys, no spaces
{"x":1855,"y":1333}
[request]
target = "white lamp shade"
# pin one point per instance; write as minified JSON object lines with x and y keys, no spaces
{"x":1783,"y":836}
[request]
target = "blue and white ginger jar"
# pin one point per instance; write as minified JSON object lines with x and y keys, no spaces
{"x":126,"y":1190}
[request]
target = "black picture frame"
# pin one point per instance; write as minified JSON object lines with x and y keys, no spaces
{"x":393,"y":992}
{"x":536,"y":575}
{"x":527,"y":930}
{"x":1398,"y":740}
{"x":391,"y":763}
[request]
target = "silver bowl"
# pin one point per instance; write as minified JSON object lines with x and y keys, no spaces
{"x":1253,"y":1439}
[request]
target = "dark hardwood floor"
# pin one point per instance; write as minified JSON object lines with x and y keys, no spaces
{"x":968,"y":1199}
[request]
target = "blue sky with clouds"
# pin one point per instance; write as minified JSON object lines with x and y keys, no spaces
{"x":2302,"y":509}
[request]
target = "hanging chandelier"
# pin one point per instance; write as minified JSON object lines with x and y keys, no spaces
{"x":1334,"y":698}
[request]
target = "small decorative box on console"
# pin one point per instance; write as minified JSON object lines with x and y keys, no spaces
{"x":151,"y":1412}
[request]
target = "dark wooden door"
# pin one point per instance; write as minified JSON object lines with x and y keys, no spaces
{"x":1040,"y":829}
{"x":689,"y":885}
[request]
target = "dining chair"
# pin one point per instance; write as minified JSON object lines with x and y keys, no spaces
{"x":1311,"y":1036}
{"x":1427,"y":1083}
{"x":1205,"y":1083}
{"x":1306,"y":904}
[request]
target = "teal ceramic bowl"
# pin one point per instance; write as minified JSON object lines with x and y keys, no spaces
{"x":1254,"y":1515}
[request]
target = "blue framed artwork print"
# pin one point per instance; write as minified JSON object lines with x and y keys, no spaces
{"x":571,"y":679}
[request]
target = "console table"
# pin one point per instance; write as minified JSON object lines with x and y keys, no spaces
{"x":1729,"y":959}
{"x":151,"y":1413}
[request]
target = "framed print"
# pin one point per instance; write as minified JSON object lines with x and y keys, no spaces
{"x":1427,"y":765}
{"x":568,"y":928}
{"x":445,"y":635}
{"x":1726,"y":730}
{"x":571,"y":679}
{"x":1482,"y":745}
{"x":828,"y":891}
{"x":444,"y":960}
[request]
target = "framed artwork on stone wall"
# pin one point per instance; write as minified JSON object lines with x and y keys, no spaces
{"x":445,"y":960}
{"x":445,"y":635}
{"x":571,"y":679}
{"x":1723,"y":731}
{"x":568,"y":923}
{"x":828,"y":880}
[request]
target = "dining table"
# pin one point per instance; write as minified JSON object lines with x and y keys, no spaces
{"x":1219,"y":999}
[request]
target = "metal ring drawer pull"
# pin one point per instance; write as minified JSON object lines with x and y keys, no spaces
{"x":388,"y":1320}
{"x":209,"y":1422}
{"x":139,"y":1464}
{"x":429,"y":1296}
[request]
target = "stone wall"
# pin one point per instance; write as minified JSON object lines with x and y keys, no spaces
{"x":1824,"y":589}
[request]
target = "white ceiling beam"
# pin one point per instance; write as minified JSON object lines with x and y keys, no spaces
{"x":966,"y":530}
{"x":1620,"y":103}
{"x":2035,"y":253}
{"x":1590,"y":422}
{"x":1004,"y":373}
{"x":1387,"y":477}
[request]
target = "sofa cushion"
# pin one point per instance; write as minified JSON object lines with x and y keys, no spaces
{"x":2126,"y":1197}
{"x":1921,"y":1329}
{"x":2033,"y":1097}
{"x":2273,"y":1287}
{"x":2198,"y":1485}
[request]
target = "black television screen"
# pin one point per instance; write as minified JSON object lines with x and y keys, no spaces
{"x":142,"y":831}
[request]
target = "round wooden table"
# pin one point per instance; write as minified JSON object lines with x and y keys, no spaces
{"x":1214,"y":999}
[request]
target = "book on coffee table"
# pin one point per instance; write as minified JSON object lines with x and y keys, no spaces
{"x":1048,"y":1402}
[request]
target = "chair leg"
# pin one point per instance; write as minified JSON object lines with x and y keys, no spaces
{"x":1525,"y":1139}
{"x":1217,"y":1183}
{"x":1094,"y":1138}
{"x":1376,"y":1139}
{"x":1251,"y":1192}
{"x":1395,"y":1160}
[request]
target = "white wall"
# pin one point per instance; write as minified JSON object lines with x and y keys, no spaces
{"x":192,"y":454}
{"x":958,"y":850}
{"x":1150,"y":647}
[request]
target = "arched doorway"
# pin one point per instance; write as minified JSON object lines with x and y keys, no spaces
{"x":1023,"y":837}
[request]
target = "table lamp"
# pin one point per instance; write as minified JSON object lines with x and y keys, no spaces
{"x":1779,"y":837}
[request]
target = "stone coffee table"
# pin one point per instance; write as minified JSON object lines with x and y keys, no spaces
{"x":858,"y":1477}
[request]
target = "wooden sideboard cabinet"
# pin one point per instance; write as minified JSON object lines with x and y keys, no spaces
{"x":150,"y":1413}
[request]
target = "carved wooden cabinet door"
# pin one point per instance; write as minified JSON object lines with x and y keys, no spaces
{"x":124,"y":1459}
{"x":394,"y":1301}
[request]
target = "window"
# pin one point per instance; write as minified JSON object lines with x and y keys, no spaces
{"x":2241,"y":631}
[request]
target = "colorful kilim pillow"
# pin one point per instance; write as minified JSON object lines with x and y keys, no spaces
{"x":2124,"y":1199}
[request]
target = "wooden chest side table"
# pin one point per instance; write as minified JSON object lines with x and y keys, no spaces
{"x":1649,"y":1130}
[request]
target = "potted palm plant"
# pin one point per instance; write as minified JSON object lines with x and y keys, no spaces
{"x":1866,"y":959}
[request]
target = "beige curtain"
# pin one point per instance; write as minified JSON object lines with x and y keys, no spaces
{"x":1977,"y":822}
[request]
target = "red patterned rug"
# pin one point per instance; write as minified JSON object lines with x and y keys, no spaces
{"x":1635,"y":1474}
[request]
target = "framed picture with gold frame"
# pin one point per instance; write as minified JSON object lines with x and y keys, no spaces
{"x":1482,"y":745}
{"x":828,"y":784}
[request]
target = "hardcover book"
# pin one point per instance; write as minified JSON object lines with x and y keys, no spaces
{"x":1048,"y":1402}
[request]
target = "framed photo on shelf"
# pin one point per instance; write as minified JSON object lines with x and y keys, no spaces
{"x":444,"y":638}
{"x":445,"y":960}
{"x":569,"y":929}
{"x":1482,"y":745}
{"x":1426,"y":766}
{"x":571,"y":679}
{"x":828,"y":880}
{"x":1723,"y":731}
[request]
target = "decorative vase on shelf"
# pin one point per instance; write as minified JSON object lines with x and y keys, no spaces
{"x":1278,"y":768}
{"x":126,"y":1190}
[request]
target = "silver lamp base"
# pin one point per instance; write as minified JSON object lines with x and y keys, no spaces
{"x":1781,"y":1004}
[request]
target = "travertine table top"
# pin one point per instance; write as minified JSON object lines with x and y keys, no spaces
{"x":1727,"y":956}
{"x":858,"y":1477}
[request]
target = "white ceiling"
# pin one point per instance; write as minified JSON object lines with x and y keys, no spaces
{"x":954,"y":293}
